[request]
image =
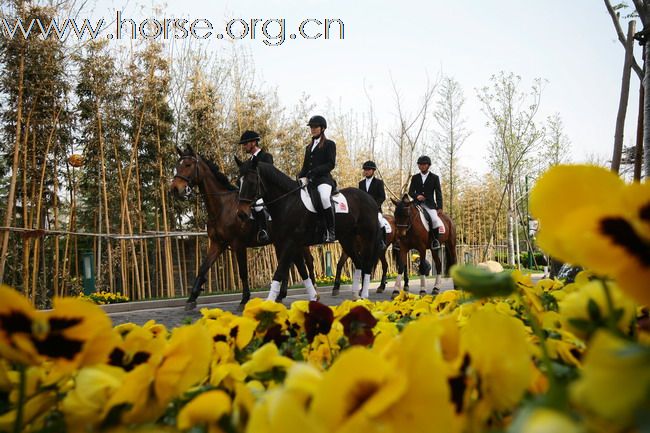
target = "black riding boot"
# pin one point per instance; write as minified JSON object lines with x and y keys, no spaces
{"x":435,"y":243}
{"x":382,"y":243}
{"x":330,"y":236}
{"x":262,"y":233}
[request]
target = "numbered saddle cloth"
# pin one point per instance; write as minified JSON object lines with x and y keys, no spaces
{"x":339,"y":202}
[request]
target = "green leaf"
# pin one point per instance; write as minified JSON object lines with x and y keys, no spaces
{"x":594,"y":311}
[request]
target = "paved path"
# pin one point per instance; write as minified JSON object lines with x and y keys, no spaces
{"x":172,"y":313}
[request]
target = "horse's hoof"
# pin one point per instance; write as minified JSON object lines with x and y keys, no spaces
{"x":435,"y":291}
{"x":423,"y":292}
{"x":241,"y":306}
{"x":335,"y":291}
{"x":406,"y":288}
{"x":381,"y":288}
{"x":395,"y":294}
{"x":190,"y":305}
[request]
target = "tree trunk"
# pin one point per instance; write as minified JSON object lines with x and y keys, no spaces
{"x":14,"y":168}
{"x":625,"y":93}
{"x":646,"y":111}
{"x":638,"y":154}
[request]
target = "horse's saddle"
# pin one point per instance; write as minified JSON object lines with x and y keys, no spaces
{"x":312,"y":201}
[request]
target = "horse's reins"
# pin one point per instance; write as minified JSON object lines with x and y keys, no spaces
{"x":260,"y":187}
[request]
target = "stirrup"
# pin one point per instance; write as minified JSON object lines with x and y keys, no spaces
{"x":263,"y":236}
{"x":435,"y":244}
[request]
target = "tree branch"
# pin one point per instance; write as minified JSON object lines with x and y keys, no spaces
{"x":621,"y":36}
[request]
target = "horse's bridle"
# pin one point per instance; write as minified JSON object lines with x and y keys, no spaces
{"x":408,"y":215}
{"x":258,"y":192}
{"x":190,"y":182}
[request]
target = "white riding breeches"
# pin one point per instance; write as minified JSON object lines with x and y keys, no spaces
{"x":383,"y":222}
{"x":437,"y":222}
{"x":324,"y":191}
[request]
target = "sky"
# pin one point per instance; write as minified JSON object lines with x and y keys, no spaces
{"x":571,"y":44}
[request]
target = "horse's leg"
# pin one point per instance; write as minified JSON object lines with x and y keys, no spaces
{"x":401,"y":257}
{"x":214,"y":251}
{"x":309,"y":261}
{"x":424,"y":269}
{"x":299,"y":261}
{"x":384,"y":270}
{"x":436,"y":260}
{"x":242,"y":266}
{"x":339,"y":269}
{"x":285,"y":258}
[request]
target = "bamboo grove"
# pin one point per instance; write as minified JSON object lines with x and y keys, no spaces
{"x":125,"y":110}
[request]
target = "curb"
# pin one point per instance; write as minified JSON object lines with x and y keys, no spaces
{"x":180,"y":302}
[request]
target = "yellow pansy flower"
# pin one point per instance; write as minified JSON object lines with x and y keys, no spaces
{"x":205,"y":409}
{"x":84,"y":404}
{"x":185,"y":362}
{"x":614,"y":380}
{"x":426,"y":404}
{"x":266,"y":313}
{"x":264,"y":359}
{"x":504,"y":379}
{"x":350,"y":398}
{"x":596,"y":221}
{"x":575,"y":306}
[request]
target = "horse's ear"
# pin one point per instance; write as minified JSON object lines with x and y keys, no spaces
{"x":189,"y":148}
{"x":238,"y":161}
{"x":395,"y":202}
{"x":179,"y":151}
{"x":406,"y":198}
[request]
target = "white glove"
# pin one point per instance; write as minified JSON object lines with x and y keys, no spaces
{"x":303,"y":181}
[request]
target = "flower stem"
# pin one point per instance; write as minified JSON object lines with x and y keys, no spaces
{"x":611,"y":317}
{"x":546,"y":359}
{"x":22,"y":385}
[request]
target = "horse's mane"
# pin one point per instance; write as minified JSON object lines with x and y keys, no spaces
{"x":221,"y":178}
{"x":275,"y":176}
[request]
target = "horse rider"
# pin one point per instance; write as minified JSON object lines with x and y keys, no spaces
{"x":375,"y":187}
{"x":250,"y":142}
{"x":320,"y":160}
{"x":425,"y":189}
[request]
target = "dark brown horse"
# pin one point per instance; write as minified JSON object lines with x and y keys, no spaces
{"x":357,"y":230}
{"x":413,"y":235}
{"x":390,"y":240}
{"x":225,"y":229}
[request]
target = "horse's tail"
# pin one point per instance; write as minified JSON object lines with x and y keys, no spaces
{"x":376,"y":251}
{"x":450,"y":246}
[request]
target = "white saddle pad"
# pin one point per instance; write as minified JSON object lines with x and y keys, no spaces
{"x":340,"y":202}
{"x":425,"y":223}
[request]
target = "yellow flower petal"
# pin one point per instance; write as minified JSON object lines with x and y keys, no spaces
{"x":206,"y":408}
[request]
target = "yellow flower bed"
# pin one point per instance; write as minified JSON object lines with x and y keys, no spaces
{"x":103,"y":298}
{"x":502,"y":354}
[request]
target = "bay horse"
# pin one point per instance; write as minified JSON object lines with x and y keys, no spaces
{"x":413,"y":235}
{"x":390,"y":240}
{"x":357,"y":230}
{"x":225,"y":229}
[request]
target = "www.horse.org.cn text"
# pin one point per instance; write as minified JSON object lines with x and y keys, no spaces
{"x":270,"y":31}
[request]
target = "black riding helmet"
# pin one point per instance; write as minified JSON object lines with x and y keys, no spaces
{"x":249,"y":136}
{"x":317,"y":121}
{"x":369,"y":165}
{"x":424,"y":160}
